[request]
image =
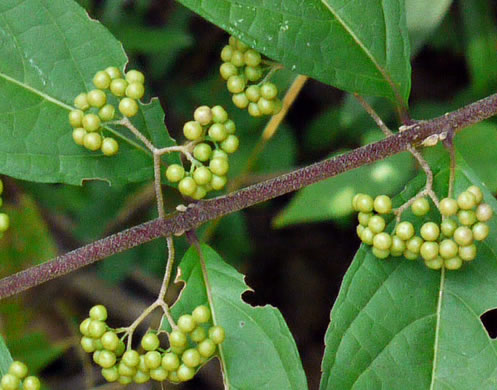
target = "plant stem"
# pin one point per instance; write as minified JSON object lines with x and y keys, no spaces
{"x":203,"y":211}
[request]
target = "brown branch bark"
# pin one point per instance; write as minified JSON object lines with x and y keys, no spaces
{"x":203,"y":211}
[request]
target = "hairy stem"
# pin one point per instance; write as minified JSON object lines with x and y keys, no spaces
{"x":203,"y":211}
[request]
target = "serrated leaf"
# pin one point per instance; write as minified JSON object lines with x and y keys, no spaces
{"x":259,"y":351}
{"x":398,"y":325}
{"x":358,"y":46}
{"x":5,"y":357}
{"x":49,"y":52}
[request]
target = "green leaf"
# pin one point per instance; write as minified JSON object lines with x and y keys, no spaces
{"x":5,"y":357}
{"x":398,"y":325}
{"x":259,"y":351}
{"x":49,"y":52}
{"x":354,"y":46}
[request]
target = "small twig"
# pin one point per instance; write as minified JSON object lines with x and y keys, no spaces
{"x":449,"y":145}
{"x":272,"y":71}
{"x":158,"y":186}
{"x":127,"y":123}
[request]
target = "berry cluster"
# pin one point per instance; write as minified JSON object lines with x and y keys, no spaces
{"x":17,"y":378}
{"x":191,"y":344}
{"x":242,"y":66}
{"x":93,"y":108}
{"x":213,"y":135}
{"x":446,"y":245}
{"x":4,"y":218}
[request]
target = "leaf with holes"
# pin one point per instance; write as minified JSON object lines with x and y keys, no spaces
{"x":357,"y":46}
{"x":5,"y":358}
{"x":399,"y":325}
{"x":49,"y":52}
{"x":259,"y":351}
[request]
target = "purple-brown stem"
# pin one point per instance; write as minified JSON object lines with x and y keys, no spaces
{"x":203,"y":211}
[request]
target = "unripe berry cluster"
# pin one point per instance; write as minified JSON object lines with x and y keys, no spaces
{"x":4,"y":218}
{"x":213,"y":137}
{"x":94,"y":108}
{"x":17,"y":378}
{"x":242,"y":71}
{"x":447,"y":244}
{"x":192,"y":343}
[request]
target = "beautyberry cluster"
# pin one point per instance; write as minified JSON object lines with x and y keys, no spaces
{"x":98,"y":106}
{"x":4,"y":218}
{"x":192,"y":343}
{"x":213,"y":137}
{"x":242,"y":71}
{"x":447,"y":244}
{"x":17,"y":378}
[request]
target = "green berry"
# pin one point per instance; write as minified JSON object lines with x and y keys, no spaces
{"x":382,"y":204}
{"x":128,"y":107}
{"x":453,"y":263}
{"x":466,"y":200}
{"x":10,"y":382}
{"x":185,"y":373}
{"x":207,"y":348}
{"x":448,"y":249}
{"x":107,"y":112}
{"x":4,"y":222}
{"x":109,"y":147}
{"x":380,"y":254}
{"x":106,"y":359}
{"x":217,"y":334}
{"x":265,"y":106}
{"x":376,"y":224}
{"x":219,"y":154}
{"x":198,"y":334}
{"x":170,"y":361}
{"x":252,"y":58}
{"x":83,"y":327}
{"x":191,"y":358}
{"x":175,"y":173}
{"x":484,"y":212}
{"x":192,"y":130}
{"x":131,"y":358}
{"x":414,"y":244}
{"x":227,"y":70}
{"x":96,"y":329}
{"x":125,"y":370}
{"x":78,"y":135}
{"x":18,"y":369}
{"x":237,"y":58}
{"x":219,"y":114}
{"x":200,"y":192}
{"x":186,"y":323}
{"x":173,"y":377}
{"x":448,"y":207}
{"x":269,"y":91}
{"x":476,"y":191}
{"x":31,"y":383}
{"x":253,"y":93}
{"x":467,"y":253}
{"x":177,"y":339}
{"x":113,"y":72}
{"x":150,"y":342}
{"x":448,"y":227}
{"x":87,"y":344}
{"x":158,"y":374}
{"x":110,"y":341}
{"x":92,"y":141}
{"x":202,"y":175}
{"x":410,"y":255}
{"x":363,"y":218}
{"x":435,"y":264}
{"x":203,"y":115}
{"x":254,"y":110}
{"x":217,"y":132}
{"x":240,"y":100}
{"x":382,"y":241}
{"x":102,"y":80}
{"x":135,"y":76}
{"x":278,"y":106}
{"x":81,"y":102}
{"x":430,"y":231}
{"x":463,"y":235}
{"x":230,"y":144}
{"x":398,"y":246}
{"x":110,"y":374}
{"x":142,"y":366}
{"x":218,"y":182}
{"x":466,"y":217}
{"x":125,"y":380}
{"x":241,"y":46}
{"x":405,"y":230}
{"x":98,"y":313}
{"x":253,"y":73}
{"x":429,"y":250}
{"x":97,"y":98}
{"x":187,"y":186}
{"x":153,"y":360}
{"x":359,"y":230}
{"x":1,"y":186}
{"x":219,"y":166}
{"x":235,"y":84}
{"x":226,"y":53}
{"x":420,"y":207}
{"x":367,"y":236}
{"x":364,"y":203}
{"x":118,"y":87}
{"x":202,"y":152}
{"x":135,"y":90}
{"x":91,"y":122}
{"x":141,"y":377}
{"x":480,"y":231}
{"x":230,"y":126}
{"x":76,"y":118}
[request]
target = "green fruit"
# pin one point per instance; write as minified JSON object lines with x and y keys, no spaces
{"x":466,"y":200}
{"x":106,"y":359}
{"x":110,"y":341}
{"x":97,"y":98}
{"x":219,"y":114}
{"x":367,"y":236}
{"x":463,"y":236}
{"x":150,"y":342}
{"x":102,"y":80}
{"x":199,"y":193}
{"x":78,"y":135}
{"x":126,"y":370}
{"x":363,"y":218}
{"x":110,"y":374}
{"x":230,"y":144}
{"x":113,"y":72}
{"x":254,"y":110}
{"x":241,"y":46}
{"x":81,"y":102}
{"x":448,"y":249}
{"x":31,"y":383}
{"x":135,"y":76}
{"x":376,"y":224}
{"x":382,"y":204}
{"x":173,"y":377}
{"x":380,"y":254}
{"x":237,"y":58}
{"x":217,"y":334}
{"x":448,"y":207}
{"x":405,"y":230}
{"x":131,"y":358}
{"x":484,"y":212}
{"x":202,"y":175}
{"x":177,"y":339}
{"x":240,"y":100}
{"x":76,"y":118}
{"x":158,"y":374}
{"x":191,"y":358}
{"x":202,"y":152}
{"x":185,"y":373}
{"x":192,"y":130}
{"x":153,"y":360}
{"x":198,"y":334}
{"x":253,"y":93}
{"x":398,"y":246}
{"x":92,"y":141}
{"x":227,"y":70}
{"x":235,"y":84}
{"x":18,"y":369}
{"x":83,"y":327}
{"x":420,"y":207}
{"x":217,"y":132}
{"x":109,"y":147}
{"x":218,"y":182}
{"x":430,"y":231}
{"x":453,"y":263}
{"x":128,"y":107}
{"x":466,"y":217}
{"x":435,"y":264}
{"x":98,"y":313}
{"x":88,"y":344}
{"x":364,"y":203}
{"x":278,"y":106}
{"x":414,"y":244}
{"x":252,"y":58}
{"x":207,"y":348}
{"x":269,"y":91}
{"x":410,"y":255}
{"x":265,"y":106}
{"x":170,"y":361}
{"x":226,"y":53}
{"x":10,"y":382}
{"x":253,"y":73}
{"x":429,"y":250}
{"x":118,"y":87}
{"x":448,"y":227}
{"x":96,"y":329}
{"x":203,"y":115}
{"x":107,"y":112}
{"x":186,"y":323}
{"x":467,"y":253}
{"x":125,"y":380}
{"x":230,"y":126}
{"x":141,"y":377}
{"x":476,"y":191}
{"x":91,"y":122}
{"x":359,"y":230}
{"x":219,"y":166}
{"x":187,"y":186}
{"x":480,"y":231}
{"x":219,"y":154}
{"x":135,"y":90}
{"x":175,"y":173}
{"x":382,"y":241}
{"x":4,"y":222}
